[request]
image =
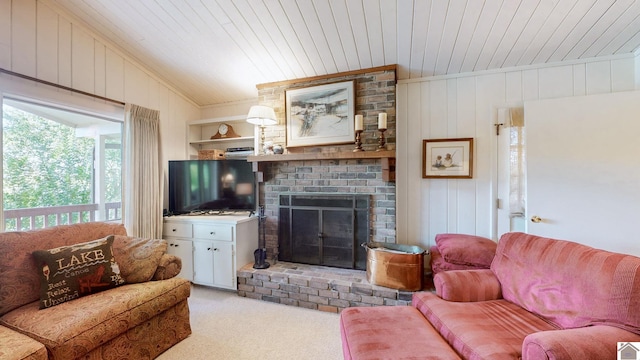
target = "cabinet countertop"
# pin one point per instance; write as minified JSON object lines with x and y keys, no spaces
{"x":224,"y":218}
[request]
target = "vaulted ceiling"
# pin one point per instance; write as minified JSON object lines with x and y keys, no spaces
{"x":216,"y":51}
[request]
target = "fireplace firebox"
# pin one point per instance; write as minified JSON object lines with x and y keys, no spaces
{"x":324,"y":229}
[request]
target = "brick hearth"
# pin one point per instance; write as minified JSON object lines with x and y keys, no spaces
{"x":317,"y":287}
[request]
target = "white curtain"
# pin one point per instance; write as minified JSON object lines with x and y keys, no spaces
{"x":142,"y":173}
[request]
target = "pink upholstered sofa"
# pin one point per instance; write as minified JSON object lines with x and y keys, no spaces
{"x":137,"y":320}
{"x":541,"y":299}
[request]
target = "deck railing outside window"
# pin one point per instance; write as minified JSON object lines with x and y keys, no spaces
{"x":35,"y":218}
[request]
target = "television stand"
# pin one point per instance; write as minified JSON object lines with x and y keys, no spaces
{"x":212,"y":247}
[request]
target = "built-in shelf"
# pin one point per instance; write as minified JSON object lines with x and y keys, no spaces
{"x":211,"y":141}
{"x":388,"y":158}
{"x":199,"y":133}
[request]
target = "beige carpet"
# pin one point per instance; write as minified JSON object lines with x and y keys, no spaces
{"x":227,"y":326}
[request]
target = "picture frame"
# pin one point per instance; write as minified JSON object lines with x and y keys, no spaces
{"x":447,"y":158}
{"x":320,"y":115}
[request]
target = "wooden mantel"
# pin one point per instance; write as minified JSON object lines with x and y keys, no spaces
{"x":388,"y":159}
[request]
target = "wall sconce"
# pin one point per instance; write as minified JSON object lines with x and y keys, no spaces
{"x":262,"y":116}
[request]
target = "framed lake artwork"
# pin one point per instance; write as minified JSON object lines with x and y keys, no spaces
{"x":447,"y":158}
{"x":320,"y":115}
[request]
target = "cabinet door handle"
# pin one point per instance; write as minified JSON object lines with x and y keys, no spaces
{"x":174,"y":230}
{"x":208,"y":249}
{"x":212,"y":233}
{"x":215,"y":249}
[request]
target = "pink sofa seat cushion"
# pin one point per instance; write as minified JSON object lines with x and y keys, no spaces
{"x":439,"y":264}
{"x":475,"y":330}
{"x":390,"y":332}
{"x":464,"y":249}
{"x":591,"y":342}
{"x":569,"y":284}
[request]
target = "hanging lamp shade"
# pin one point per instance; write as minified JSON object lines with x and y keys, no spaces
{"x":261,"y":115}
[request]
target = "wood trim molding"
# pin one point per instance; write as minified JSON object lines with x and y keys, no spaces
{"x":387,"y":159}
{"x":31,"y":78}
{"x":329,"y":76}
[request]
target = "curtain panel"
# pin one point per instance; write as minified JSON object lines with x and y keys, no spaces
{"x":518,"y":163}
{"x":142,"y":173}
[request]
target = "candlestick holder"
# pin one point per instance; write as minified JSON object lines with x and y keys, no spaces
{"x":358,"y":141}
{"x":381,"y":141}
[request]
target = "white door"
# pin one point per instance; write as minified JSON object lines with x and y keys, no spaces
{"x":224,"y":274}
{"x":583,"y":169}
{"x":203,"y":262}
{"x":184,"y":250}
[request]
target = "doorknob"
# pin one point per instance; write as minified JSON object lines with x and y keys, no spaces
{"x":536,"y":219}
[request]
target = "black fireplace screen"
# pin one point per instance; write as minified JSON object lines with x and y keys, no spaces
{"x":324,"y":229}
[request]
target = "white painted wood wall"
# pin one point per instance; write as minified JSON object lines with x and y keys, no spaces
{"x":41,"y":41}
{"x":466,"y":106}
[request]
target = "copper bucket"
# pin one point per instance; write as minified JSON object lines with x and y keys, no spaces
{"x":395,"y":266}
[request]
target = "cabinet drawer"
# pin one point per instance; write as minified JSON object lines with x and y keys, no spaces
{"x":177,"y":230}
{"x":213,"y":232}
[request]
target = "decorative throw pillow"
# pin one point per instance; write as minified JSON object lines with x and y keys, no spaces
{"x":466,"y":249}
{"x":69,"y":272}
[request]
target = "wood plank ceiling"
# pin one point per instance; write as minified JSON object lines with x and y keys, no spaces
{"x":216,"y":51}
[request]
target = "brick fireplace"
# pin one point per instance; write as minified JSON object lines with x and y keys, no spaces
{"x":324,"y":229}
{"x":333,"y":170}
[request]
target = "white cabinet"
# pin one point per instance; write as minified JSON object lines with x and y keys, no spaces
{"x":220,"y":244}
{"x":200,"y":133}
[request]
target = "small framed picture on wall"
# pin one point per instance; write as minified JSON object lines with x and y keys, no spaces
{"x":447,"y":158}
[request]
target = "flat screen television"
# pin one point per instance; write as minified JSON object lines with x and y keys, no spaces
{"x":201,"y":186}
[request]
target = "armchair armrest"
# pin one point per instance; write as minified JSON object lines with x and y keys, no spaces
{"x":467,"y":285}
{"x":593,"y":342}
{"x":169,"y":266}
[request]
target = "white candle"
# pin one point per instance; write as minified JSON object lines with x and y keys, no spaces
{"x":359,"y":123}
{"x":382,"y":121}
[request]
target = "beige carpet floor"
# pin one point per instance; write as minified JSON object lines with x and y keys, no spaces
{"x":227,"y":326}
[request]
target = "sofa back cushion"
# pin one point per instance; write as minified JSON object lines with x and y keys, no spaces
{"x":569,"y":284}
{"x":19,"y":274}
{"x":138,"y":258}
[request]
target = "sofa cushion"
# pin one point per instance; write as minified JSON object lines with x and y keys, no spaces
{"x":20,"y":283}
{"x":73,"y":329}
{"x":69,"y":272}
{"x":438,"y":263}
{"x":591,"y":342}
{"x":390,"y":332}
{"x":138,"y":258}
{"x":475,"y":330}
{"x":569,"y":284}
{"x":464,"y":249}
{"x":14,"y":345}
{"x":467,"y":285}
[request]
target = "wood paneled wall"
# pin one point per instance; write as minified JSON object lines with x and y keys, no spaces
{"x":467,"y":106}
{"x":39,"y":40}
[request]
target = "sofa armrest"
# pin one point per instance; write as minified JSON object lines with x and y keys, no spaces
{"x":467,"y":285}
{"x":593,"y":342}
{"x":169,"y":266}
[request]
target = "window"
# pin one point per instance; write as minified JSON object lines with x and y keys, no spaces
{"x":60,"y":166}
